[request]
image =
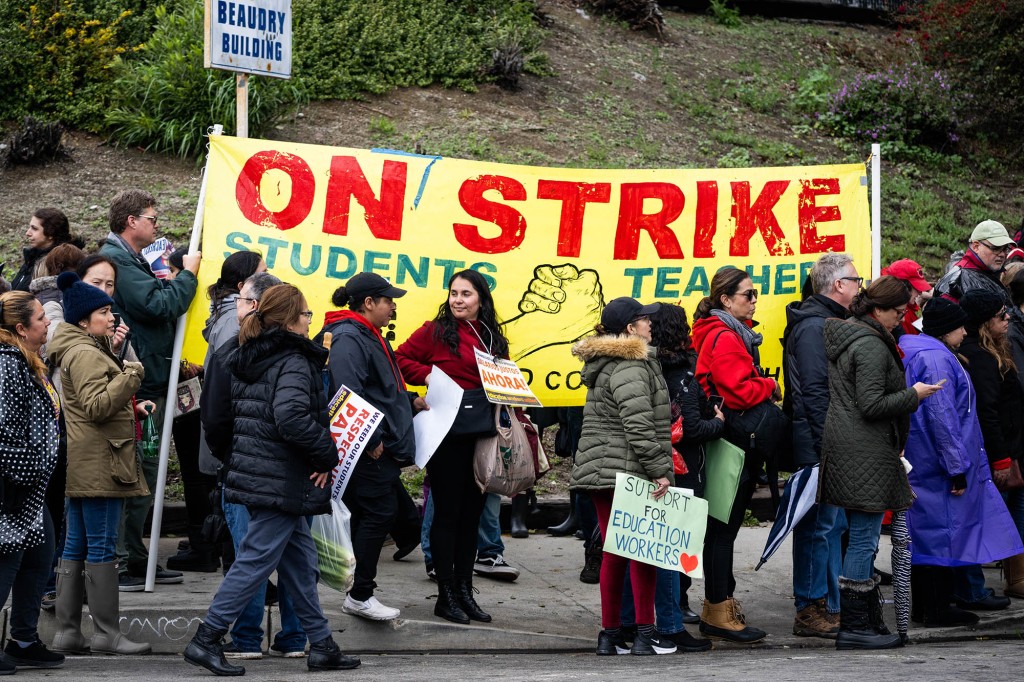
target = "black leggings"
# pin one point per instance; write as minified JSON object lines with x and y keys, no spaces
{"x":719,"y":582}
{"x":458,"y":504}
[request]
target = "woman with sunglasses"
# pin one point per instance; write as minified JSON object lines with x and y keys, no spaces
{"x":728,"y":366}
{"x":866,"y":429}
{"x":1000,"y":414}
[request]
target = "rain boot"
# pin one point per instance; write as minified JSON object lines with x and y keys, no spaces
{"x":1013,"y":569}
{"x":70,"y":590}
{"x":520,"y":503}
{"x":206,"y":650}
{"x":856,"y":631}
{"x":571,"y":523}
{"x":101,"y":587}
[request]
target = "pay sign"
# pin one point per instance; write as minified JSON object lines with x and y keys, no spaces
{"x":667,"y":533}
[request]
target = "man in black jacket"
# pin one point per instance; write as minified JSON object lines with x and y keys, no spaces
{"x":363,"y":360}
{"x":981,"y":264}
{"x":817,"y":554}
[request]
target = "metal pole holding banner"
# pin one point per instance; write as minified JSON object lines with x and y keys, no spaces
{"x":172,"y":394}
{"x":876,"y":211}
{"x":242,"y":105}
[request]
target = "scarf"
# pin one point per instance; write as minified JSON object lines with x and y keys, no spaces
{"x":751,"y":339}
{"x":341,"y":315}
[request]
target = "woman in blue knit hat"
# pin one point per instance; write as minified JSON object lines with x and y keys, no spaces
{"x":103,"y":468}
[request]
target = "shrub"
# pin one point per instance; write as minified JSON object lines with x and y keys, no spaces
{"x":638,"y":14}
{"x":980,"y":44}
{"x":906,"y":108}
{"x":165,"y":100}
{"x":724,"y":15}
{"x":35,"y":142}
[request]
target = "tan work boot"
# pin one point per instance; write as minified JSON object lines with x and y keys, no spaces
{"x":1013,"y":570}
{"x":813,"y":621}
{"x":725,"y":620}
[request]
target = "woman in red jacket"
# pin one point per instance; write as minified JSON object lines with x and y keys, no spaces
{"x":465,"y":321}
{"x":728,"y":366}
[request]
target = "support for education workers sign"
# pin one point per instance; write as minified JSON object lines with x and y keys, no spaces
{"x":667,"y":533}
{"x":553,"y":243}
{"x":249,"y":36}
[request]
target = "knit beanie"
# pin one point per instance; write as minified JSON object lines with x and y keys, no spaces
{"x":941,"y":316}
{"x":80,"y":299}
{"x":980,"y":306}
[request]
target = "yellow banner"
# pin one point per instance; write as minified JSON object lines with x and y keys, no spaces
{"x":554,"y":243}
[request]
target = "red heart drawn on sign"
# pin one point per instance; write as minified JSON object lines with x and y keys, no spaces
{"x":688,"y":562}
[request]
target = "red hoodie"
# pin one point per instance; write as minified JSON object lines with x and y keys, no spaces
{"x":731,"y":368}
{"x":421,"y":351}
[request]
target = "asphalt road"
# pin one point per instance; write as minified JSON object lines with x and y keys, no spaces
{"x":984,"y":661}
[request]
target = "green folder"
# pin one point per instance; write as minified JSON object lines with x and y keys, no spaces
{"x":723,"y":468}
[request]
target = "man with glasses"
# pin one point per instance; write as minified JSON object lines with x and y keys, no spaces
{"x":150,"y":307}
{"x":981,"y":264}
{"x":817,"y":551}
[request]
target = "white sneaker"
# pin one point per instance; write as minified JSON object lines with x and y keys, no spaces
{"x":370,"y":609}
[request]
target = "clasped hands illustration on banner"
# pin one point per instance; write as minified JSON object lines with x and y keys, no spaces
{"x":573,"y":296}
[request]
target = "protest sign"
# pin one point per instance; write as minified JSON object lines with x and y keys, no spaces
{"x":553,"y":243}
{"x":503,"y":381}
{"x":353,"y":421}
{"x":431,"y":426}
{"x":667,"y":533}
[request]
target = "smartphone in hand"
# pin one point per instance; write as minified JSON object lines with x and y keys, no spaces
{"x":716,"y":401}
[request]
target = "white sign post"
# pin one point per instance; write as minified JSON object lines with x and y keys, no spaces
{"x":251,"y":37}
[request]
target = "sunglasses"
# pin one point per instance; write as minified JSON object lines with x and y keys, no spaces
{"x":749,"y":294}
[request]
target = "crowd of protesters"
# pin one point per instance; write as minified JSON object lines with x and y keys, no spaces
{"x":907,"y":398}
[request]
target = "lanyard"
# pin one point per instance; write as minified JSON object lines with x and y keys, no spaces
{"x":483,"y":345}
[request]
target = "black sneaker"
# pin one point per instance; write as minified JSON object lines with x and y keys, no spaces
{"x":495,"y":567}
{"x":649,"y":645}
{"x":611,"y":645}
{"x":6,"y":667}
{"x":49,"y":601}
{"x":163,"y":576}
{"x":129,"y":583}
{"x":191,"y":560}
{"x":35,"y":655}
{"x":431,"y":573}
{"x":687,"y":643}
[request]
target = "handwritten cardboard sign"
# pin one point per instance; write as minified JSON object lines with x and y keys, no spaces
{"x":667,"y":533}
{"x":504,"y":382}
{"x":353,"y":421}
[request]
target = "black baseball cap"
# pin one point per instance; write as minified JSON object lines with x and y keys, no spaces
{"x":371,"y":284}
{"x":622,"y":311}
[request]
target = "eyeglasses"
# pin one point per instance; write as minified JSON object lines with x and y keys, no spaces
{"x":901,"y":311}
{"x":1003,"y":314}
{"x":150,"y":217}
{"x":308,"y":314}
{"x":997,"y":249}
{"x":858,"y":280}
{"x":254,"y":301}
{"x":749,"y":294}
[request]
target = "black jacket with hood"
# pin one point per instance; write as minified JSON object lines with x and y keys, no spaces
{"x":691,"y":403}
{"x":805,"y":367}
{"x":281,"y":433}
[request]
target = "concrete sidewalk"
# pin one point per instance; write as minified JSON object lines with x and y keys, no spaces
{"x":547,"y":610}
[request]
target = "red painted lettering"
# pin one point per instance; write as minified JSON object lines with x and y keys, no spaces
{"x":809,"y":214}
{"x":510,"y":221}
{"x":247,"y":190}
{"x":707,"y":219}
{"x":351,"y":409}
{"x":574,"y":197}
{"x":632,"y":219}
{"x":758,"y":217}
{"x":383,"y":215}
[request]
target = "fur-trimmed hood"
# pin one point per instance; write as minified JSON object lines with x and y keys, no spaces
{"x":624,"y":346}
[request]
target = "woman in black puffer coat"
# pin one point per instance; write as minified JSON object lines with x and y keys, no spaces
{"x":280,"y":468}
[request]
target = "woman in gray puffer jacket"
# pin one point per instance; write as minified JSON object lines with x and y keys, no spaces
{"x":866,"y":428}
{"x":626,"y":428}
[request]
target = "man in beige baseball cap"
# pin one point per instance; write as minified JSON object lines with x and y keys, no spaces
{"x":981,"y":264}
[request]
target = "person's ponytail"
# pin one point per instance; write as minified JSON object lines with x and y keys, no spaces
{"x":703,"y":308}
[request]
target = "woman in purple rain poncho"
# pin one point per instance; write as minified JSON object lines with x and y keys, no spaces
{"x":958,"y":517}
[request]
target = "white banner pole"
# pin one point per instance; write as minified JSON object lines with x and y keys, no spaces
{"x":876,"y":211}
{"x":172,"y":394}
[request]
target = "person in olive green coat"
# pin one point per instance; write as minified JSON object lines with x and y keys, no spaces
{"x":103,"y":468}
{"x":626,"y":428}
{"x":866,"y":428}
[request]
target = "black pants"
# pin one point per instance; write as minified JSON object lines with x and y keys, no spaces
{"x":197,"y":485}
{"x":408,"y":523}
{"x":372,"y":497}
{"x":23,"y":575}
{"x":458,"y":504}
{"x":719,"y":582}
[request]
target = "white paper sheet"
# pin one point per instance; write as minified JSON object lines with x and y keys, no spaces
{"x":431,"y":426}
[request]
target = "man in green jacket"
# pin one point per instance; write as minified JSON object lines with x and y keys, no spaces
{"x":150,"y":307}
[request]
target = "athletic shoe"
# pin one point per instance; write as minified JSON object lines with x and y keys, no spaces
{"x":431,"y":573}
{"x":611,"y":645}
{"x":276,"y":650}
{"x":163,"y":576}
{"x":231,"y":651}
{"x":687,"y":643}
{"x":49,"y":602}
{"x":129,"y":583}
{"x":35,"y":655}
{"x":495,"y":567}
{"x":650,"y":645}
{"x":371,"y":609}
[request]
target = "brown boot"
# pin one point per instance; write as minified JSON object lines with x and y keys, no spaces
{"x":813,"y":621}
{"x":1013,"y":569}
{"x":725,"y":620}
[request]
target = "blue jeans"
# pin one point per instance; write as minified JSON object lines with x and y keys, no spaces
{"x":969,"y":584}
{"x":668,"y":615}
{"x":488,"y":541}
{"x":865,"y":528}
{"x":818,"y":556}
{"x":93,"y":524}
{"x":247,"y":630}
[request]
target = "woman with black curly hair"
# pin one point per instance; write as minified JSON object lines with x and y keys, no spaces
{"x":465,"y":321}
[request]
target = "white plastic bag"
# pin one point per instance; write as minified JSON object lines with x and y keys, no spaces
{"x":333,"y":538}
